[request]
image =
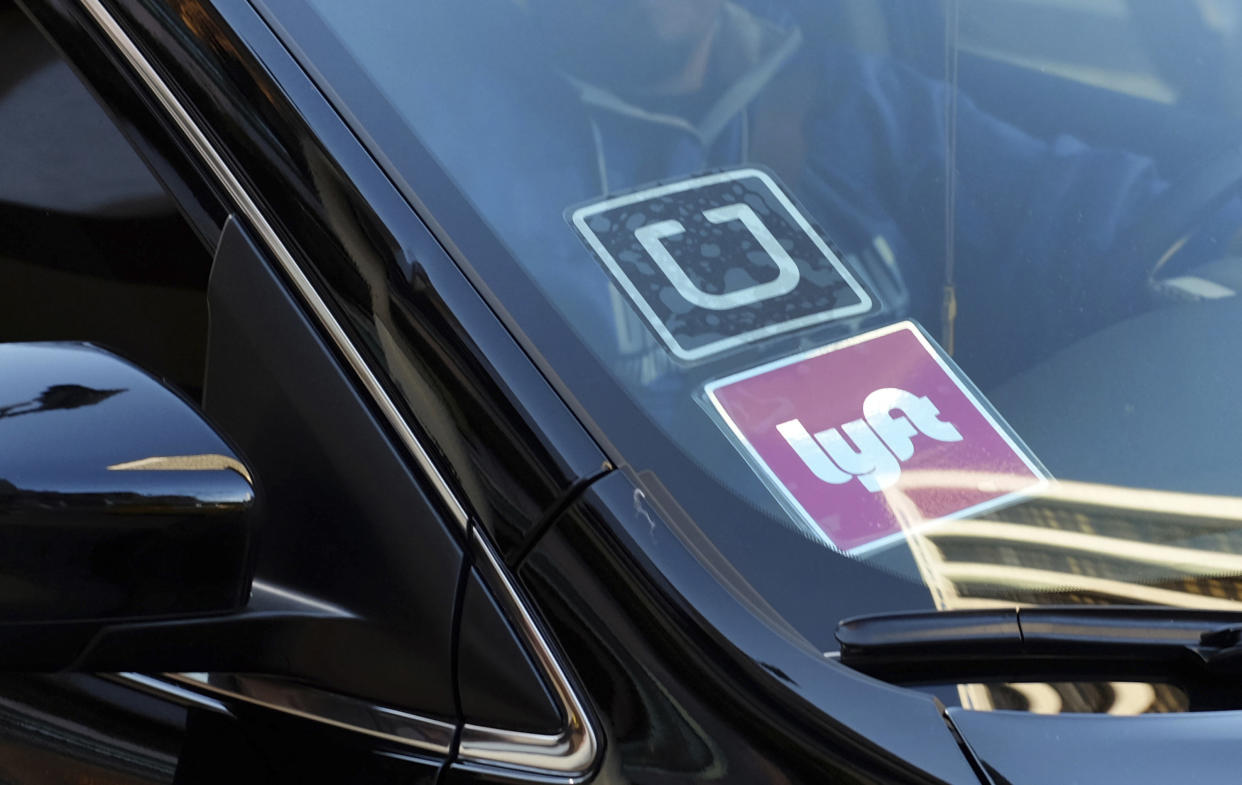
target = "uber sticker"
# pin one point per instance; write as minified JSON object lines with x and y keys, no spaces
{"x":719,"y":261}
{"x":868,"y":439}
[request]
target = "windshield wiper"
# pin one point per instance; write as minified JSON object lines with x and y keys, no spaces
{"x":1060,"y":643}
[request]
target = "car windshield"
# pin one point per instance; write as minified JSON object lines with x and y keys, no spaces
{"x":884,"y":304}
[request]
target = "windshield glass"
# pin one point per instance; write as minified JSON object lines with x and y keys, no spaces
{"x":891,"y":304}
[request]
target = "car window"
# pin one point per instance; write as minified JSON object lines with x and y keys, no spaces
{"x":1097,"y":43}
{"x":945,"y":292}
{"x":93,"y":248}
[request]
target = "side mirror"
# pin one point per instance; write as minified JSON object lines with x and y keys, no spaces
{"x":127,"y":529}
{"x":118,"y":502}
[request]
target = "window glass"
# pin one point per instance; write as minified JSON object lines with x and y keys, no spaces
{"x":899,"y":304}
{"x":91,"y":246}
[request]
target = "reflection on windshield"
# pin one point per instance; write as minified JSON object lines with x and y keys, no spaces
{"x":673,"y":198}
{"x":1082,"y":543}
{"x":1110,"y":544}
{"x":1119,"y":698}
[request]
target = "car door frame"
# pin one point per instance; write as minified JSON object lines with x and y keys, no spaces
{"x":187,"y":157}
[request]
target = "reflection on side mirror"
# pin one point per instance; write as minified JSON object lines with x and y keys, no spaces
{"x":117,"y":500}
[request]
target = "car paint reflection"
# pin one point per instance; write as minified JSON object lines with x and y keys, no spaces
{"x":184,"y":463}
{"x":57,"y":397}
{"x":1118,"y":698}
{"x":1077,"y":543}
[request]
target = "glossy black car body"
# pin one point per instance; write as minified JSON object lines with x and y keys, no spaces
{"x":527,"y":614}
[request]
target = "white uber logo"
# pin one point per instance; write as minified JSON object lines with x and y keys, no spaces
{"x":651,"y":235}
{"x":718,"y":261}
{"x":878,"y":442}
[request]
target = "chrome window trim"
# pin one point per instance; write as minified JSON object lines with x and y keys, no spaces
{"x":568,"y":756}
{"x":413,"y":730}
{"x":193,"y":689}
{"x":167,"y":690}
{"x":574,"y":748}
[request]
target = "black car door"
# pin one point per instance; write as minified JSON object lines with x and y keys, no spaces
{"x":96,"y":248}
{"x":397,"y":453}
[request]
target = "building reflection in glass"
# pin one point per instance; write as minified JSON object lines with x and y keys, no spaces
{"x":1079,"y":543}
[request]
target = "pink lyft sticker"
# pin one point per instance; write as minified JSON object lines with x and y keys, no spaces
{"x":867,"y":439}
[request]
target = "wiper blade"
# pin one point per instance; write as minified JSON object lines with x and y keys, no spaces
{"x":1058,"y":643}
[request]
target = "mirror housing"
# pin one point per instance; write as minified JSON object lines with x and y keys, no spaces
{"x":126,"y":530}
{"x":118,"y":502}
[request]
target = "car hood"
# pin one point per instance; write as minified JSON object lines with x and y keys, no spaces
{"x":1031,"y":749}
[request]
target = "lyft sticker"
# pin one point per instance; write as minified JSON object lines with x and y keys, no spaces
{"x":718,"y":261}
{"x":867,"y":440}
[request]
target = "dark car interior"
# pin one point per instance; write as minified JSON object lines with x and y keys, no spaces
{"x":1092,"y":410}
{"x":999,"y":65}
{"x":1042,"y":68}
{"x":91,"y":246}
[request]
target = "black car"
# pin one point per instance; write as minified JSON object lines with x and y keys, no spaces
{"x":652,"y":391}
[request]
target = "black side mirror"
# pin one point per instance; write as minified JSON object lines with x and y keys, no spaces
{"x":117,"y":500}
{"x":127,"y":529}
